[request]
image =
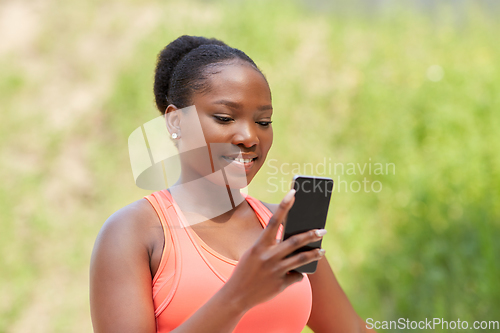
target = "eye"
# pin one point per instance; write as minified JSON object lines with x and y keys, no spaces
{"x":223,"y":119}
{"x":264,"y":123}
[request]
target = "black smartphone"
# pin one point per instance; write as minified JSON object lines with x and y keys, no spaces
{"x":309,"y":211}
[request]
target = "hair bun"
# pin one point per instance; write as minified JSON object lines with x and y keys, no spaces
{"x":170,"y":56}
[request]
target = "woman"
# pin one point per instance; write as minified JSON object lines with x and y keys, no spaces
{"x":201,"y":256}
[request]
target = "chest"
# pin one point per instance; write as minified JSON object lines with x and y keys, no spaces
{"x":230,"y":239}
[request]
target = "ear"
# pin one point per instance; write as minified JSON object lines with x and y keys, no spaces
{"x":173,"y":119}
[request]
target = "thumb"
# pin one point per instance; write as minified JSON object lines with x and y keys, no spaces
{"x":280,"y":214}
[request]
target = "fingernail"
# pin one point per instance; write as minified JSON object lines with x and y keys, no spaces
{"x":320,"y":232}
{"x":321,"y":252}
{"x":288,"y":197}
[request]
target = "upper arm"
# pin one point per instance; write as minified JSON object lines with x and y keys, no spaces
{"x":120,"y":277}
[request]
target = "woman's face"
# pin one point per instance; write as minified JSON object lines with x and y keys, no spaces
{"x":235,"y":117}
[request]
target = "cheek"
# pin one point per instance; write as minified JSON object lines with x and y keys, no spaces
{"x":270,"y":136}
{"x":211,"y":132}
{"x":214,"y":135}
{"x":192,"y":133}
{"x":267,"y":142}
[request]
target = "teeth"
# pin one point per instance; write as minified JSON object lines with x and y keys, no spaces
{"x":241,"y":160}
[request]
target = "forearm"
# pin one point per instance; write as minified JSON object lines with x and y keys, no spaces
{"x":331,"y":311}
{"x":220,"y":314}
{"x":336,"y":315}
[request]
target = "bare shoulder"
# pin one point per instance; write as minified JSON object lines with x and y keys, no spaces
{"x":136,"y":215}
{"x":125,"y":241}
{"x":129,"y":228}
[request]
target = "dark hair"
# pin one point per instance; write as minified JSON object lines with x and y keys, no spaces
{"x":182,"y":68}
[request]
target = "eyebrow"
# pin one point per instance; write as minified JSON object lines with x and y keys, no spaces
{"x":238,"y":105}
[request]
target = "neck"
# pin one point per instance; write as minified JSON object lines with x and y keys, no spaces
{"x":203,"y":199}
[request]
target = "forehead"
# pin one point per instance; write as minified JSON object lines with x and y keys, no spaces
{"x":238,"y":82}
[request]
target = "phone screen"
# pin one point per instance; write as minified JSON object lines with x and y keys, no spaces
{"x":309,"y":211}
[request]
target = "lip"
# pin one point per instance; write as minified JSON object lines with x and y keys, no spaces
{"x":240,"y":165}
{"x":241,"y":155}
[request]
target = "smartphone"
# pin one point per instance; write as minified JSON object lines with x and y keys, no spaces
{"x":309,"y":211}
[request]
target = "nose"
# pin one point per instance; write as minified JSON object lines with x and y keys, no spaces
{"x":245,"y":134}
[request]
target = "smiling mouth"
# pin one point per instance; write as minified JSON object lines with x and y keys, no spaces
{"x":240,"y":160}
{"x":245,"y":164}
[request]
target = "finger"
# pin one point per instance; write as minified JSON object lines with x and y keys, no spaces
{"x":280,"y":214}
{"x":297,"y":241}
{"x":301,"y":259}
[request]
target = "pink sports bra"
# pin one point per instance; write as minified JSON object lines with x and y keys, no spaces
{"x":190,"y":272}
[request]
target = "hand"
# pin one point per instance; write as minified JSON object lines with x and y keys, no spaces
{"x":263,"y":271}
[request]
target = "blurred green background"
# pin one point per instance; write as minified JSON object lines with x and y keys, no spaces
{"x":413,"y":83}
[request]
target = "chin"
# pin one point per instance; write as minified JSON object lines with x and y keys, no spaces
{"x":227,"y":179}
{"x":238,"y":182}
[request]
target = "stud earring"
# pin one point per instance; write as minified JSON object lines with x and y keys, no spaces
{"x":174,"y":136}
